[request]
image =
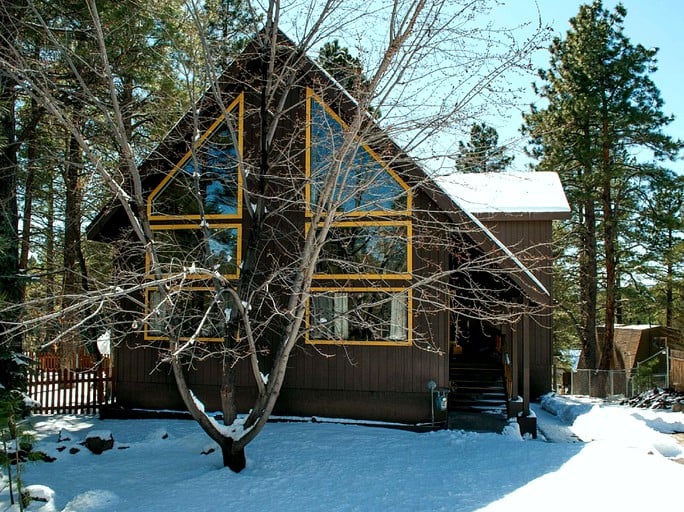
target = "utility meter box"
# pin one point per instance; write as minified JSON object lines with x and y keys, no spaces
{"x":441,"y":398}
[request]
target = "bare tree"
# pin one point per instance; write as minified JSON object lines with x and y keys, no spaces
{"x":260,"y":223}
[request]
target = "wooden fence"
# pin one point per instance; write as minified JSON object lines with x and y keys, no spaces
{"x":82,"y":390}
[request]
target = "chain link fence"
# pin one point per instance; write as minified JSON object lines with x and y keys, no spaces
{"x":650,"y":373}
{"x":613,"y":382}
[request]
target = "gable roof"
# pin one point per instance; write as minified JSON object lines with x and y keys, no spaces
{"x":110,"y":220}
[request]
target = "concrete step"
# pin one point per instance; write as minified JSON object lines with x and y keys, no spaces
{"x":476,"y":421}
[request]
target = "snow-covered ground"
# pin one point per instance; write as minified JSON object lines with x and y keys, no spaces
{"x":610,"y":458}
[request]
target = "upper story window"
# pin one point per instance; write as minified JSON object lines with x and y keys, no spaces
{"x":365,"y":185}
{"x":206,"y":182}
{"x":366,"y":250}
{"x":215,"y":247}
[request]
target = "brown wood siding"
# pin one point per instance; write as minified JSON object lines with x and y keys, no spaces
{"x":530,"y":241}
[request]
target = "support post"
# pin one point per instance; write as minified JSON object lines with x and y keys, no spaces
{"x":515,"y":364}
{"x":526,"y":360}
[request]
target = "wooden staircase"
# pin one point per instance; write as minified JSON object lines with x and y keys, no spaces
{"x":477,"y":400}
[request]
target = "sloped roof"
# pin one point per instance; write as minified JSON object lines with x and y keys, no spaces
{"x":633,"y":342}
{"x":507,"y":192}
{"x":627,"y":343}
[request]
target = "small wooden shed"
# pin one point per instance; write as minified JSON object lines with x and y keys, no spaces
{"x":635,"y":344}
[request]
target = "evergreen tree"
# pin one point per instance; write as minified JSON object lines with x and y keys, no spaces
{"x":12,"y":375}
{"x":482,"y":153}
{"x":343,"y":66}
{"x":658,"y":235}
{"x":602,"y":109}
{"x":227,"y":24}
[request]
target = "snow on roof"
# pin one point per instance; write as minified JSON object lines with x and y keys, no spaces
{"x":637,"y":327}
{"x":507,"y":192}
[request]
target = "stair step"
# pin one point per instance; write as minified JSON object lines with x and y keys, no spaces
{"x":477,"y":388}
{"x":476,"y":421}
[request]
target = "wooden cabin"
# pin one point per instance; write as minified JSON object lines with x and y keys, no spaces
{"x":428,"y":337}
{"x":636,"y":344}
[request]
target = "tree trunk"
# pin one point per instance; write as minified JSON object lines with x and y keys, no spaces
{"x":610,"y":214}
{"x":71,"y":284}
{"x":51,"y":286}
{"x":29,"y":137}
{"x":588,"y":286}
{"x":669,"y":292}
{"x":607,"y":359}
{"x":9,"y":218}
{"x":233,"y":455}
{"x":235,"y":460}
{"x":228,"y":402}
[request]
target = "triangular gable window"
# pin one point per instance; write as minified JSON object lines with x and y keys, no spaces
{"x":365,"y":185}
{"x":206,"y":181}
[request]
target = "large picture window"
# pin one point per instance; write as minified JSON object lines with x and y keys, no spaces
{"x":370,"y":242}
{"x":195,"y":213}
{"x":364,"y":183}
{"x":186,"y":246}
{"x":366,"y":251}
{"x":360,"y":316}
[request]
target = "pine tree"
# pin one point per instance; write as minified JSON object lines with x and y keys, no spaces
{"x":343,"y":66}
{"x":658,"y":235}
{"x":602,"y":109}
{"x":482,"y":153}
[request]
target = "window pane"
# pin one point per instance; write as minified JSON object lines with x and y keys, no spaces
{"x":189,"y":309}
{"x":365,"y":185}
{"x":359,"y":316}
{"x":182,"y":248}
{"x":217,"y":184}
{"x":365,"y":250}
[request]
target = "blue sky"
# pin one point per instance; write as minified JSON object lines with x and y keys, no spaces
{"x":652,"y":23}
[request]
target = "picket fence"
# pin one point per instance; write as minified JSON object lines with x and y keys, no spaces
{"x":81,"y":390}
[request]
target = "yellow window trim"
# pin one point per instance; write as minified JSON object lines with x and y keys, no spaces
{"x":312,"y":96}
{"x":409,"y":319}
{"x":151,"y":337}
{"x":390,"y":276}
{"x":173,"y":227}
{"x":240,"y":104}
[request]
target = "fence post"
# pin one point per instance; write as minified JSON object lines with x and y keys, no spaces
{"x":667,"y":367}
{"x":589,"y":373}
{"x":612,"y":383}
{"x":572,"y":382}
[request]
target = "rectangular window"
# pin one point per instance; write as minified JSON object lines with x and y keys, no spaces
{"x":366,"y":250}
{"x":181,"y":247}
{"x":192,"y":311}
{"x":359,"y":316}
